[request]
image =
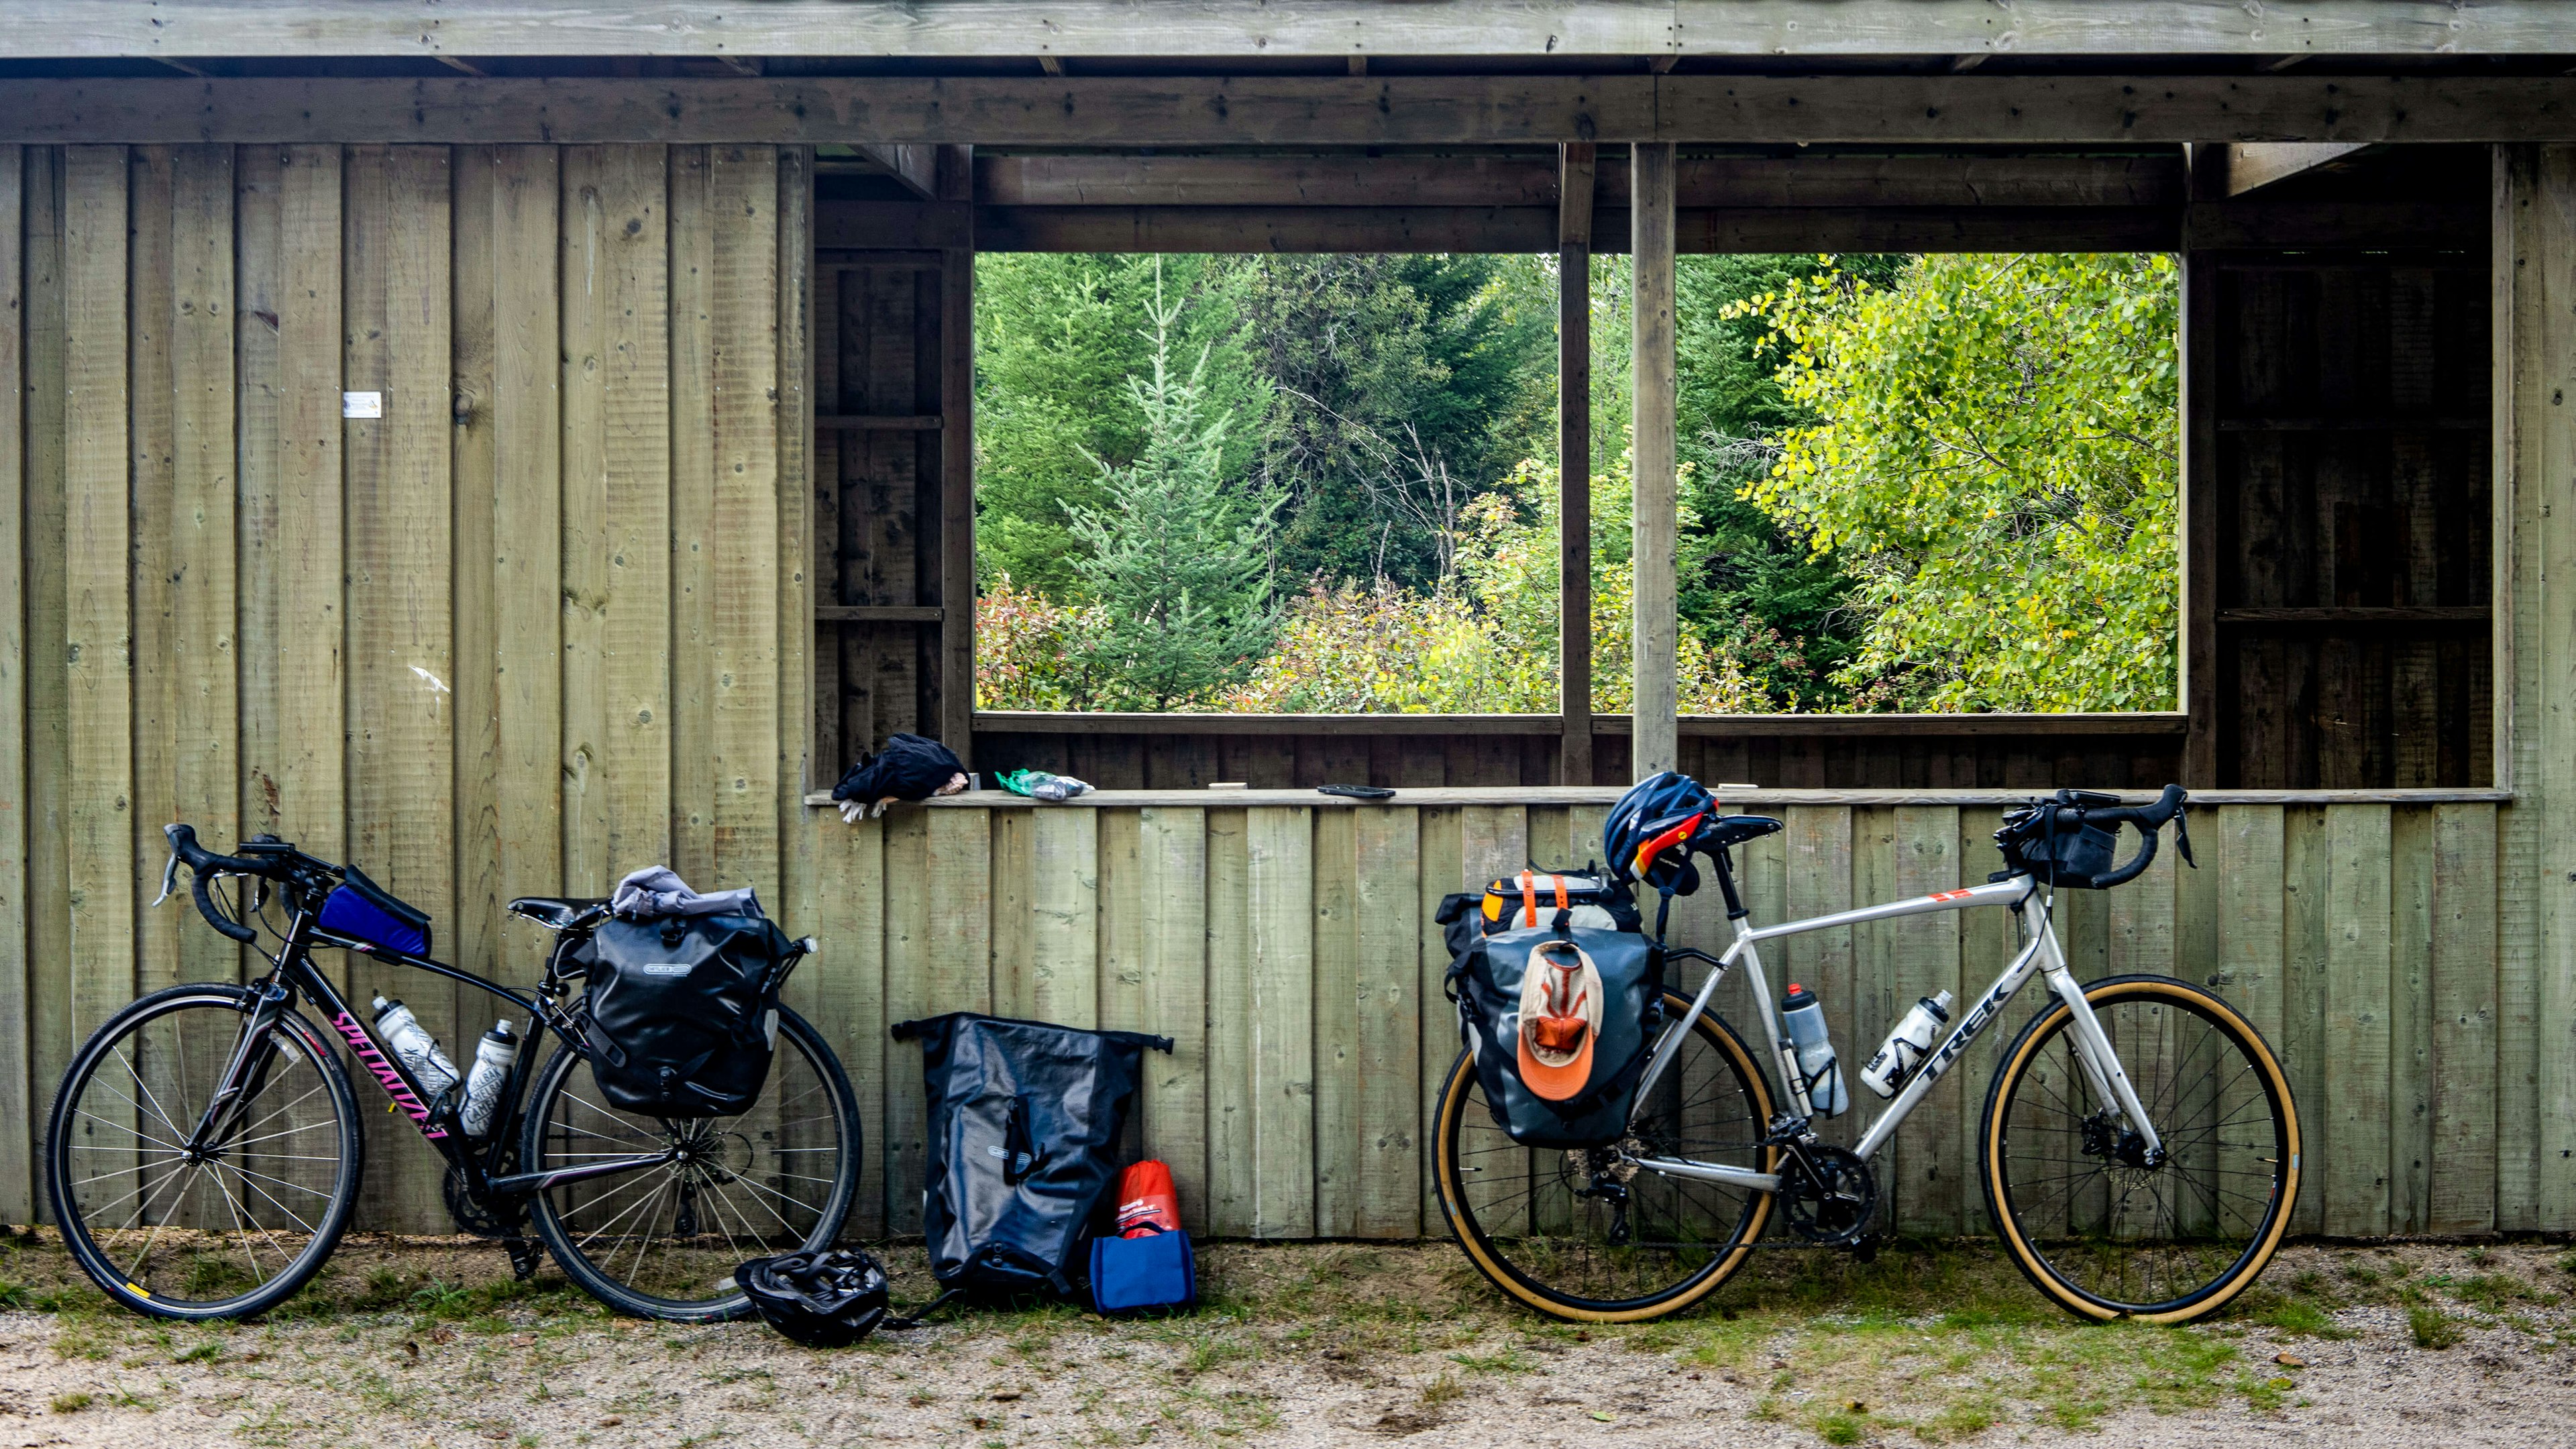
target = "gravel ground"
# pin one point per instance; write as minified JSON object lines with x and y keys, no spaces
{"x":427,"y":1342}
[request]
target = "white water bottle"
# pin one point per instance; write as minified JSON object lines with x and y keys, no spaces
{"x":1802,"y":1016}
{"x":494,"y":1055}
{"x":413,"y":1046}
{"x":1907,"y":1046}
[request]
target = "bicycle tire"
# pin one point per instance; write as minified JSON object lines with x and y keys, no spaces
{"x":124,"y":1282}
{"x":2193,"y":1114}
{"x":567,"y":1242}
{"x":1461,"y":1108}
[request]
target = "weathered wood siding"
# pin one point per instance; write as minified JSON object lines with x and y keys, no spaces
{"x":527,"y":630}
{"x":1288,"y":949}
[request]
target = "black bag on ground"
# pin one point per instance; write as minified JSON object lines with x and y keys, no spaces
{"x":684,"y":1012}
{"x":1025,"y":1120}
{"x":1588,"y":1018}
{"x":908,"y":768}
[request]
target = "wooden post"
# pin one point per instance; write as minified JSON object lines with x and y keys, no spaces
{"x":957,"y":469}
{"x":2196,"y":681}
{"x":1574,"y":460}
{"x":1654,"y":730}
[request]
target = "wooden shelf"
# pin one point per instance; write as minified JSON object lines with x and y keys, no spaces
{"x":2355,"y":615}
{"x":870,"y":423}
{"x":878,"y":613}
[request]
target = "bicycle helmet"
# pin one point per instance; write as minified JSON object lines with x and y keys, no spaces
{"x":830,"y":1299}
{"x":1650,"y":832}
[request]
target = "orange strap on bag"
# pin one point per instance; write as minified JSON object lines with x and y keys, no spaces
{"x":1529,"y":897}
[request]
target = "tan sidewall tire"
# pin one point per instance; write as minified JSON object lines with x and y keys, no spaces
{"x":2047,"y":1025}
{"x":1453,"y":1100}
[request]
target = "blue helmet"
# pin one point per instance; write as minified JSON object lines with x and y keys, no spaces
{"x":1651,"y":830}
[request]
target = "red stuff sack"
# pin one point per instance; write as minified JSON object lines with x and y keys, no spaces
{"x":1146,"y":1202}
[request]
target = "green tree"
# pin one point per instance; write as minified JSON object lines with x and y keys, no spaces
{"x":1055,"y":344}
{"x":1993,"y":459}
{"x":1178,"y":557}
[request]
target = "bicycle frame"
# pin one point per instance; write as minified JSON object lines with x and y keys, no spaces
{"x":293,"y":973}
{"x":2109,"y":1081}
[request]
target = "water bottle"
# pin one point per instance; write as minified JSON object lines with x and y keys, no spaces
{"x":413,"y":1046}
{"x":1907,"y":1046}
{"x":1802,"y":1016}
{"x":494,"y":1055}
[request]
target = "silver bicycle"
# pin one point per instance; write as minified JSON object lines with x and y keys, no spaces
{"x":2139,"y":1149}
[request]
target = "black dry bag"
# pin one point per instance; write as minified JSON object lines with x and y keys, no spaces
{"x":1025,"y":1119}
{"x":684,"y":1012}
{"x":1559,"y":1057}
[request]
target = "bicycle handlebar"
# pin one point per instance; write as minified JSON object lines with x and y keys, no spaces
{"x":2149,"y":819}
{"x":204,"y":864}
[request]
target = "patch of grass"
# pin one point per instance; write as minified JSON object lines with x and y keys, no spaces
{"x":2433,"y":1328}
{"x":1962,"y":1418}
{"x":1510,"y":1359}
{"x":1443,"y":1390}
{"x":1841,"y":1426}
{"x":2265,"y":1395}
{"x":2299,"y":1319}
{"x":206,"y":1352}
{"x":2492,"y":1291}
{"x":72,"y":1403}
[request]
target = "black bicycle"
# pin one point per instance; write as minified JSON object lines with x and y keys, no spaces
{"x":204,"y":1151}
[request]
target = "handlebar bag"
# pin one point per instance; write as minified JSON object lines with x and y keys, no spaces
{"x":363,"y":910}
{"x":2068,"y":856}
{"x":1574,"y":1082}
{"x":684,"y":1012}
{"x":1025,"y":1120}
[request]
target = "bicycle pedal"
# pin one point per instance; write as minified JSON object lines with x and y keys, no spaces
{"x":1866,"y":1250}
{"x":524,"y":1258}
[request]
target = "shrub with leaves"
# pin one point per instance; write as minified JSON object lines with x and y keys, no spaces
{"x":1029,"y":649}
{"x":1995,"y":461}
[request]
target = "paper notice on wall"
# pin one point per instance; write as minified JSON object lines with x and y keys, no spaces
{"x":362,"y":404}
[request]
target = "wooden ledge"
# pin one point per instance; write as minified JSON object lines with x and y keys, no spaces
{"x":1566,"y":795}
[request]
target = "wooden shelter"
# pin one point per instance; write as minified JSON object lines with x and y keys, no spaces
{"x":505,"y":444}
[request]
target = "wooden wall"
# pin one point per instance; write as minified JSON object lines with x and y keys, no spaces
{"x":527,"y":630}
{"x":2354,"y":539}
{"x":1289,"y":950}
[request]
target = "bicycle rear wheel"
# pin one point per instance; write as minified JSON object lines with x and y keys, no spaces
{"x":663,"y":1242}
{"x":236,"y":1226}
{"x":2096,"y":1222}
{"x":1529,"y":1222}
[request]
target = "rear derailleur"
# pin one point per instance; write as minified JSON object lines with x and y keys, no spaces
{"x":1606,"y":1172}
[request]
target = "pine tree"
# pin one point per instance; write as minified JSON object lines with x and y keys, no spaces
{"x":1179,"y":559}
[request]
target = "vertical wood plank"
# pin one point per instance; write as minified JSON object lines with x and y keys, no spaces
{"x":258,"y":282}
{"x":312,"y":620}
{"x":2553,"y":664}
{"x":615,"y":552}
{"x":956,"y":510}
{"x":1653,"y":729}
{"x":2304,"y":1043}
{"x":2463,"y":1069}
{"x":1172,"y":859}
{"x":1923,"y":958}
{"x":524,"y":416}
{"x":910,"y":957}
{"x":1988,"y":942}
{"x":1064,"y":890}
{"x":693,"y":544}
{"x":1014,"y":940}
{"x":743,"y":183}
{"x":151,"y":488}
{"x":474,"y":938}
{"x":1441,"y":843}
{"x":99,"y":665}
{"x":2357,"y":1019}
{"x":2410,"y":1023}
{"x":1279,"y":851}
{"x":401,"y":747}
{"x":1394,"y":1020}
{"x":1816,"y":880}
{"x":49,"y":949}
{"x":17,"y":999}
{"x":1336,"y":1014}
{"x":794,"y":770}
{"x":1231,"y":1103}
{"x":848,"y":991}
{"x":1121,"y":924}
{"x":202,"y":547}
{"x":1575,"y":167}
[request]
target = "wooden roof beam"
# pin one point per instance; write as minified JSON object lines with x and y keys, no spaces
{"x":1298,"y":110}
{"x":2248,"y":167}
{"x":1750,"y":29}
{"x":917,"y":167}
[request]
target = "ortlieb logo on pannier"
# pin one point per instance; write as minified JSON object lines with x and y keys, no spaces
{"x":1558,"y":1023}
{"x":684,"y":1012}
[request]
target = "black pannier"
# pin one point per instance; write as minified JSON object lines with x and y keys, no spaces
{"x":2069,"y":854}
{"x":1025,"y":1119}
{"x":1559,"y":1057}
{"x":684,"y":1012}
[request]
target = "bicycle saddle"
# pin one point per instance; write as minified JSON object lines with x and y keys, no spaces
{"x":560,"y":914}
{"x":1730,"y":830}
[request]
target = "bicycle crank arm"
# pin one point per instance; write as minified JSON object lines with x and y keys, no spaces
{"x":519,"y":1184}
{"x":1712,"y":1172}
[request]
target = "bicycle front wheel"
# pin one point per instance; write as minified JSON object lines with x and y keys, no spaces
{"x":663,"y":1242}
{"x":2099,"y":1223}
{"x":220,"y":1228}
{"x":1537,"y":1223}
